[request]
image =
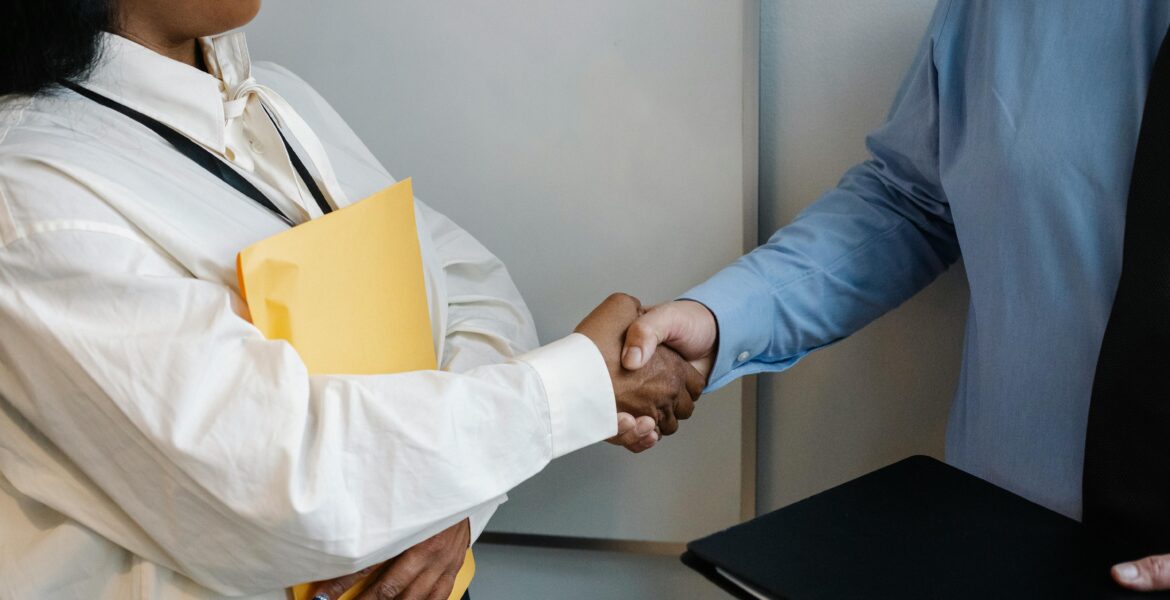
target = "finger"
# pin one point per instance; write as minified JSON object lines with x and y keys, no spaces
{"x":397,"y":577}
{"x":646,"y":442}
{"x":669,"y":424}
{"x":644,"y":336}
{"x":643,"y":443}
{"x":637,"y":430}
{"x":627,"y":438}
{"x":442,"y":588}
{"x":334,"y":588}
{"x":625,"y":430}
{"x":1148,"y":574}
{"x":684,"y":406}
{"x":646,"y":435}
{"x":423,"y":586}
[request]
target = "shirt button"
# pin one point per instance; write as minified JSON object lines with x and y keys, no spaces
{"x":743,"y":356}
{"x":256,"y":146}
{"x":230,"y":154}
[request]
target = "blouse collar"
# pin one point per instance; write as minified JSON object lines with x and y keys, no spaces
{"x":176,"y":94}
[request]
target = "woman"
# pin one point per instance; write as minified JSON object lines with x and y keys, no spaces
{"x":152,"y":443}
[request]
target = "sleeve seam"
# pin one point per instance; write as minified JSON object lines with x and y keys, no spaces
{"x":71,"y":225}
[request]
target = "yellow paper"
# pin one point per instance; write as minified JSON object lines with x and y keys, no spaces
{"x":346,"y":290}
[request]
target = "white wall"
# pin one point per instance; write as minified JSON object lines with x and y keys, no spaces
{"x":829,"y":70}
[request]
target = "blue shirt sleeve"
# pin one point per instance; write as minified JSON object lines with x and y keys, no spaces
{"x":863,"y":248}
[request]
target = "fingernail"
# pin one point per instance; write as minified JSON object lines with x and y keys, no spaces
{"x":635,"y":356}
{"x":643,"y":427}
{"x":1126,"y":571}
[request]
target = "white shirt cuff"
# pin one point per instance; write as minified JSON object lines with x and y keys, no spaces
{"x":581,"y":405}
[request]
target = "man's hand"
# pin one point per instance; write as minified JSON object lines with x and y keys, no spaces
{"x":664,"y":388}
{"x":685,"y":326}
{"x":424,"y":572}
{"x":1146,"y":575}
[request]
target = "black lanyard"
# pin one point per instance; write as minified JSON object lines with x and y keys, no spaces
{"x":204,"y":158}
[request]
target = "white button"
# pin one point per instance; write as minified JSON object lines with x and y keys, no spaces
{"x":256,"y":146}
{"x":743,"y":356}
{"x":230,"y":154}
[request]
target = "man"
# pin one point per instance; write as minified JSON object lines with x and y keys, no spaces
{"x":1011,"y":144}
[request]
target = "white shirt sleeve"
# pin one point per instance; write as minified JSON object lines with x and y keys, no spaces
{"x":245,"y":472}
{"x":487,"y":321}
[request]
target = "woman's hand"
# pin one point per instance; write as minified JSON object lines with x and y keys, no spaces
{"x":1149,"y":574}
{"x":635,"y":434}
{"x":424,"y":572}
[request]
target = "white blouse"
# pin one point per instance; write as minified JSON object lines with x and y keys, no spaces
{"x":153,"y":444}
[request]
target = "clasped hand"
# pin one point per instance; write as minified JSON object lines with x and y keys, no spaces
{"x":655,"y":388}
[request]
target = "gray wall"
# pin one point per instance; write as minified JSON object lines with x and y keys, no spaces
{"x":829,"y":70}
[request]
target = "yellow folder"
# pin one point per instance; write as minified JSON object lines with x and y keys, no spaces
{"x":347,"y":291}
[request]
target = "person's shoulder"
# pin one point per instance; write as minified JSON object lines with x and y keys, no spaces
{"x":278,"y":76}
{"x":305,"y":99}
{"x":351,"y":158}
{"x":18,"y":112}
{"x":45,"y":123}
{"x":53,"y":148}
{"x":12,"y":109}
{"x":44,"y":135}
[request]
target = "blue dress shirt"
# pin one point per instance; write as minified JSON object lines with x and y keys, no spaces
{"x":1010,"y":145}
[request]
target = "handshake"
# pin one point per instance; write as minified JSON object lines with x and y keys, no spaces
{"x":655,"y":387}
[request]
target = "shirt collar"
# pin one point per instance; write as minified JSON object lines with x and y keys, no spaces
{"x":178,"y":95}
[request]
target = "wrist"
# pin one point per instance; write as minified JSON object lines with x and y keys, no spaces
{"x":705,"y":333}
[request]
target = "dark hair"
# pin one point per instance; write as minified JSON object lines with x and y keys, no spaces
{"x":42,"y":41}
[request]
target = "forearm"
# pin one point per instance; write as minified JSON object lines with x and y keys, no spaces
{"x":859,"y":251}
{"x":225,"y":459}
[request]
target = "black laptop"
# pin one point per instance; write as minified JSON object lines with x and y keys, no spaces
{"x":915,"y":529}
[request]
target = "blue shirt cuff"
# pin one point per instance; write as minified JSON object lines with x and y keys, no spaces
{"x":743,"y":306}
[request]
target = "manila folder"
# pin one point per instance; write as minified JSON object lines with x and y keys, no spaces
{"x":346,"y":290}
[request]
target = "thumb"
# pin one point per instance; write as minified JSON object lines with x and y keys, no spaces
{"x":646,"y":333}
{"x":1148,"y":574}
